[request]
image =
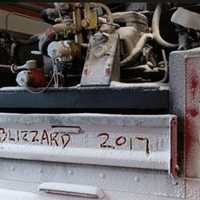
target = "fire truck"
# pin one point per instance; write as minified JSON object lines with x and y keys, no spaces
{"x":100,"y":100}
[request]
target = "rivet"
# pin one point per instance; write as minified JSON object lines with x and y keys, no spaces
{"x":70,"y":172}
{"x":174,"y":182}
{"x":136,"y":179}
{"x":12,"y":168}
{"x":102,"y":175}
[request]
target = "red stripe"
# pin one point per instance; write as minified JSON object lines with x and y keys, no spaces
{"x":18,"y":9}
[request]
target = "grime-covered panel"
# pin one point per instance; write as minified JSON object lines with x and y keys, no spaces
{"x":192,"y":117}
{"x":136,"y":141}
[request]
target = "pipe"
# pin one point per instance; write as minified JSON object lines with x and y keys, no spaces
{"x":166,"y":67}
{"x":156,"y":31}
{"x":46,"y":38}
{"x":138,"y":48}
{"x":108,"y":11}
{"x":5,"y":66}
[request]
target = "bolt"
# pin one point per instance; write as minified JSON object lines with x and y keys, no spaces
{"x":102,"y":175}
{"x":174,"y":182}
{"x":136,"y":179}
{"x":12,"y":168}
{"x":70,"y":172}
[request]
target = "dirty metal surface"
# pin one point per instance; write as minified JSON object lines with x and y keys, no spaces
{"x":19,"y":176}
{"x":186,"y":18}
{"x":192,"y":189}
{"x":135,"y":97}
{"x":192,"y":118}
{"x":140,"y":141}
{"x":184,"y":72}
{"x":185,"y":96}
{"x":113,"y":153}
{"x":101,"y":65}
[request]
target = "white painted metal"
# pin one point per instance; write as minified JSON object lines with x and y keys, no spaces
{"x":157,"y":160}
{"x":127,"y":141}
{"x":117,"y":183}
{"x":19,"y":195}
{"x":186,"y":18}
{"x":101,"y":63}
{"x":120,"y":172}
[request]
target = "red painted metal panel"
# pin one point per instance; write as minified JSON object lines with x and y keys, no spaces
{"x":174,"y":154}
{"x":192,"y":118}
